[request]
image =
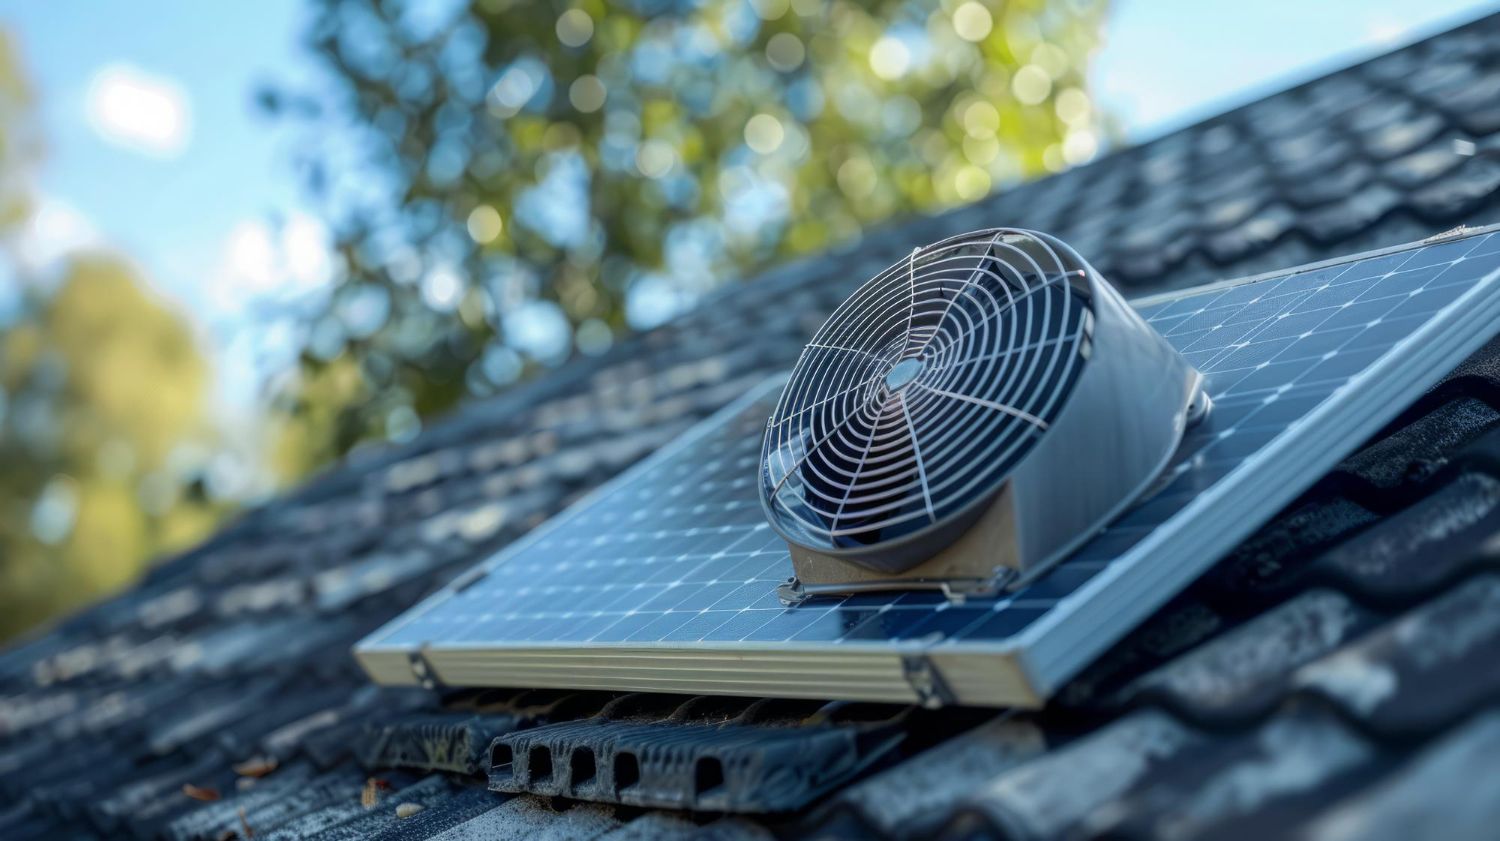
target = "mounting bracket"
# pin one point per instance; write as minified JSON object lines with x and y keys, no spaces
{"x":926,"y":681}
{"x":422,"y":670}
{"x":795,"y":591}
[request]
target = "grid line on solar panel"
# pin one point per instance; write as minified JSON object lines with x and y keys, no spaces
{"x":1271,"y":351}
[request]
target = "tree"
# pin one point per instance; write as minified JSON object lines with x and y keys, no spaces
{"x":19,"y":147}
{"x":104,"y":391}
{"x":101,"y":411}
{"x":519,"y":180}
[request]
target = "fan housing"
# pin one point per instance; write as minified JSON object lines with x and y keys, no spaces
{"x":969,"y":416}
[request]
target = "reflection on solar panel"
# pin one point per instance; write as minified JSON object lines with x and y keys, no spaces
{"x":665,"y":579}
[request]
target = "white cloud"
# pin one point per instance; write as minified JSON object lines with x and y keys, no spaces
{"x":261,"y":262}
{"x":53,"y":231}
{"x":250,"y":258}
{"x":305,"y":245}
{"x":140,"y":111}
{"x":260,"y":272}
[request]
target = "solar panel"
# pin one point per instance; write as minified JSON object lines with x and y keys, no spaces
{"x":665,"y":578}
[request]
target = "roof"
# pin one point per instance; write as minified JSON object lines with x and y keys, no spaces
{"x":1332,"y":678}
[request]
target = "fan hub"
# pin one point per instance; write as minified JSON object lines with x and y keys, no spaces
{"x":904,"y":373}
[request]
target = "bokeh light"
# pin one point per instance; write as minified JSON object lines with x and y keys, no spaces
{"x":785,"y":51}
{"x":587,"y":93}
{"x":1031,"y":85}
{"x":575,"y":27}
{"x":484,"y":224}
{"x":1073,"y":107}
{"x":764,"y":133}
{"x":972,"y":21}
{"x":655,"y":158}
{"x":981,"y":119}
{"x":889,"y":58}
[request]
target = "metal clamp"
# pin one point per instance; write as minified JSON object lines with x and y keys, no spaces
{"x":794,"y":591}
{"x":422,"y":670}
{"x":791,"y":592}
{"x":926,"y":682}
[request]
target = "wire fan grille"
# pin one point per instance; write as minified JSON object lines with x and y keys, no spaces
{"x":924,"y":389}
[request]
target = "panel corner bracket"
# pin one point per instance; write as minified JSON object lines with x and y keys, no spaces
{"x":926,"y":681}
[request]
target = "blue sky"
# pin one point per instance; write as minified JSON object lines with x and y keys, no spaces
{"x":168,"y":211}
{"x":1169,"y":63}
{"x":192,"y":194}
{"x":194,"y":210}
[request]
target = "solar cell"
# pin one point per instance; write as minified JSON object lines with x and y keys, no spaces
{"x":666,"y":578}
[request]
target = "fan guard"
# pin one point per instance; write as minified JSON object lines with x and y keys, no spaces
{"x":989,"y":362}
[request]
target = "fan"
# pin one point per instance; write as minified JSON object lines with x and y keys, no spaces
{"x":971,"y":414}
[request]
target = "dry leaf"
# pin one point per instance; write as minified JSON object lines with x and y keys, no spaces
{"x":207,"y":795}
{"x":257,"y":766}
{"x":368,"y":798}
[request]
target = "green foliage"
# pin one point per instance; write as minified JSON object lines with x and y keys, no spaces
{"x":104,"y":389}
{"x":101,"y":394}
{"x":19,"y":149}
{"x":521,"y":171}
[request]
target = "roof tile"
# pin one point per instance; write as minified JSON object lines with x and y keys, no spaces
{"x":910,"y":797}
{"x":1185,"y":622}
{"x":1459,"y":192}
{"x":380,"y":820}
{"x":1450,"y":791}
{"x":1352,"y":213}
{"x":1421,"y":672}
{"x":1474,"y":104}
{"x":1056,"y":792}
{"x":1438,"y":79}
{"x":155,"y":790}
{"x":445,"y":816}
{"x":1260,"y":568}
{"x":1423,"y":165}
{"x":1242,"y":787}
{"x":209,"y":820}
{"x":292,"y":801}
{"x":1404,"y":136}
{"x":1242,"y":674}
{"x":1339,"y":93}
{"x":1256,"y":232}
{"x":531,"y":819}
{"x":1420,"y":549}
{"x":1421,"y":448}
{"x":653,"y":826}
